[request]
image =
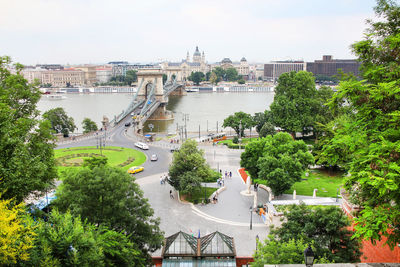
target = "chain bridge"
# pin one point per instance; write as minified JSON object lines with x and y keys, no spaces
{"x":150,"y":99}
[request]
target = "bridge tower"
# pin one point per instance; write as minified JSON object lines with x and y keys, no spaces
{"x":150,"y":78}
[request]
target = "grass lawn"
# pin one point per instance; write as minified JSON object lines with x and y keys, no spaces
{"x":198,"y":195}
{"x":327,"y":183}
{"x":117,"y":156}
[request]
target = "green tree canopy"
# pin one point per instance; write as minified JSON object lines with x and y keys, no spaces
{"x":267,"y":129}
{"x":239,"y":122}
{"x":371,"y":135}
{"x":88,"y":125}
{"x":27,"y":159}
{"x":219,"y":72}
{"x":109,"y":196}
{"x":260,"y":118}
{"x":274,"y":251}
{"x":188,"y":168}
{"x":278,"y":160}
{"x":60,"y":121}
{"x":214,"y":79}
{"x":64,"y":240}
{"x":130,"y":77}
{"x":327,"y":227}
{"x":293,"y":108}
{"x":232,"y":74}
{"x":196,"y":77}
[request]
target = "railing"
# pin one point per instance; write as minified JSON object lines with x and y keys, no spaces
{"x":132,"y":106}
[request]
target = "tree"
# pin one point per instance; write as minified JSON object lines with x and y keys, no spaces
{"x":88,"y":125}
{"x":372,"y":133}
{"x":241,"y":81}
{"x":277,"y":160}
{"x":64,"y":240}
{"x":274,"y":251}
{"x":208,"y":74}
{"x":220,"y":72}
{"x":130,"y":77}
{"x":231,"y":74}
{"x":294,"y":102}
{"x":188,"y":168}
{"x":327,"y":227}
{"x":60,"y":122}
{"x":109,"y":196}
{"x":239,"y":122}
{"x":16,"y":233}
{"x":27,"y":158}
{"x":196,"y":77}
{"x":260,"y":118}
{"x":214,"y":79}
{"x":267,"y":129}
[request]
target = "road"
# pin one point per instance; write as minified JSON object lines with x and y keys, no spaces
{"x":231,"y":215}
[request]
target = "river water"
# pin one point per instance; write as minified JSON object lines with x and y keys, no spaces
{"x":204,"y":109}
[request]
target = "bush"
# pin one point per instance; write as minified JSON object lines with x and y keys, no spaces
{"x":235,"y":140}
{"x":236,"y":146}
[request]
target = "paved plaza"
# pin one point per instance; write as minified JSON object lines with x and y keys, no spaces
{"x":230,"y":215}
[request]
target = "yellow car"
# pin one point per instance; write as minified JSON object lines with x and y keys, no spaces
{"x":135,"y":169}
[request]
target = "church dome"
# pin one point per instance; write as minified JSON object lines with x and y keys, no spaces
{"x":226,"y":61}
{"x":243,"y":59}
{"x":197,"y":52}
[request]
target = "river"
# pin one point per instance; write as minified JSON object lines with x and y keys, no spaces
{"x":204,"y":109}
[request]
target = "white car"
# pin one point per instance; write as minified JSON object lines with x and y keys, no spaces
{"x":142,"y":145}
{"x":154,"y":157}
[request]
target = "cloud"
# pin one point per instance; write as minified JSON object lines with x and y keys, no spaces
{"x":78,"y":31}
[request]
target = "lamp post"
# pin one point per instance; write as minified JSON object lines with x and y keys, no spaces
{"x":251,"y":217}
{"x":309,"y":256}
{"x":240,"y":134}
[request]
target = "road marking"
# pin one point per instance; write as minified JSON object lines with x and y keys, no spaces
{"x":218,"y":220}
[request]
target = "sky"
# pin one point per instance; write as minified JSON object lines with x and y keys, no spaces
{"x":99,"y":31}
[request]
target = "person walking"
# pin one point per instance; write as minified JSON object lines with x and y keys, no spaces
{"x":170,"y":194}
{"x":230,"y":174}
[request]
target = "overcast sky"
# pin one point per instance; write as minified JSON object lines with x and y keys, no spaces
{"x":98,"y":31}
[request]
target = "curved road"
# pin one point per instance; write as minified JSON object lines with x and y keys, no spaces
{"x":231,"y":215}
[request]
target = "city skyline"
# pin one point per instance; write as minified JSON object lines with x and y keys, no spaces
{"x":75,"y":32}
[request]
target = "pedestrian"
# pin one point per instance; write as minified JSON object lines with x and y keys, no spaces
{"x":161,"y":180}
{"x":223,"y":182}
{"x":226,"y":174}
{"x":230,"y":174}
{"x":220,"y":171}
{"x":170,"y":194}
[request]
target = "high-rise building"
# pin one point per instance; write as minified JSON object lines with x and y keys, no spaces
{"x":329,"y":66}
{"x":273,"y":70}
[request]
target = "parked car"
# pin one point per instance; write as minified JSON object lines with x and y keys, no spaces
{"x":174,"y":149}
{"x":135,"y":169}
{"x":141,"y":145}
{"x":210,"y":134}
{"x":154,"y":157}
{"x":127,"y":124}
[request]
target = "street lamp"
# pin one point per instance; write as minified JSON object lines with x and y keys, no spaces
{"x":309,"y":256}
{"x":251,"y":217}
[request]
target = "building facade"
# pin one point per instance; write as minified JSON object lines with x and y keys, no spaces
{"x":329,"y":66}
{"x":182,"y":70}
{"x":273,"y":70}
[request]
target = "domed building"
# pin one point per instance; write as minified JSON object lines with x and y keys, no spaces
{"x":182,"y":70}
{"x":243,"y":68}
{"x":226,"y":63}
